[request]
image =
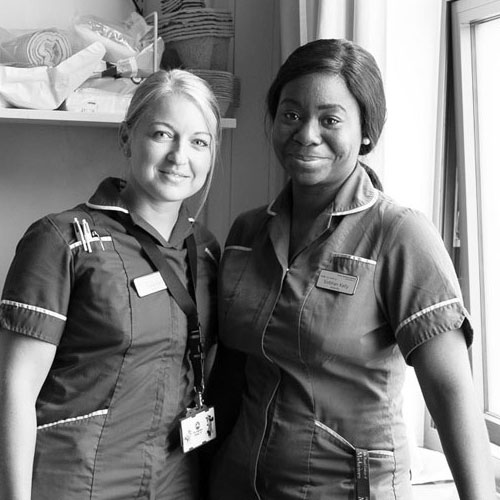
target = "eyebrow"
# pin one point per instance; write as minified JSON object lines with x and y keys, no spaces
{"x":167,"y":124}
{"x":289,"y":100}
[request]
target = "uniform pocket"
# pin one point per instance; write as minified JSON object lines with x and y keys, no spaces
{"x":64,"y":457}
{"x":333,"y":467}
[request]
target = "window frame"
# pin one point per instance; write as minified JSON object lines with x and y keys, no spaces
{"x":465,"y":15}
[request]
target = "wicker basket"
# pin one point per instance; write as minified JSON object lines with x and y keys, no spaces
{"x":203,"y":52}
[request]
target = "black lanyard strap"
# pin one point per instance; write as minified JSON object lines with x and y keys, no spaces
{"x":180,"y":295}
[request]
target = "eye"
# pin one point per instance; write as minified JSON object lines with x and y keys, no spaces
{"x":201,"y":143}
{"x":162,"y":135}
{"x":291,"y":116}
{"x":331,"y":121}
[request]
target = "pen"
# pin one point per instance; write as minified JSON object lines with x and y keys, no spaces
{"x":79,"y":233}
{"x":87,"y":234}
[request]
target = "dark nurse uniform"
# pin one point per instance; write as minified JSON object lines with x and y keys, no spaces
{"x":325,"y":336}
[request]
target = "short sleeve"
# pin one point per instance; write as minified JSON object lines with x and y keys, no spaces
{"x":37,"y":288}
{"x":419,"y":288}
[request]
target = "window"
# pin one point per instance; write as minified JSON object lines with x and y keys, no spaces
{"x":476,"y":43}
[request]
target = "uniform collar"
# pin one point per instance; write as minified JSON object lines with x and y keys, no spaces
{"x":355,"y":195}
{"x":108,"y":198}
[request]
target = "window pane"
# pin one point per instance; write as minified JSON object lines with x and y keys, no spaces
{"x":487,"y":45}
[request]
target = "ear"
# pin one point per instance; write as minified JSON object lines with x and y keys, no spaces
{"x":124,"y":138}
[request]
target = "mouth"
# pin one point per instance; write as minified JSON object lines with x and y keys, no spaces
{"x":173,"y":174}
{"x":307,"y":158}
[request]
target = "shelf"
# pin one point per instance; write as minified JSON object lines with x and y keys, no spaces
{"x":38,"y":117}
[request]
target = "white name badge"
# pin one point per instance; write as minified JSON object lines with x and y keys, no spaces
{"x":197,"y":428}
{"x":148,"y":284}
{"x":337,"y":282}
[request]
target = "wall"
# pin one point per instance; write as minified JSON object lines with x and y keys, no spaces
{"x":45,"y":168}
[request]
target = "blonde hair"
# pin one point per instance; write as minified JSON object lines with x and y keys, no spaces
{"x":181,"y":82}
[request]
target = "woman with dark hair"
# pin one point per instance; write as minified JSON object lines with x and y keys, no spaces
{"x":324,"y":295}
{"x":99,"y":360}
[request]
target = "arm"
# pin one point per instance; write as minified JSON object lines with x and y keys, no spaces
{"x":24,"y":364}
{"x":443,"y":371}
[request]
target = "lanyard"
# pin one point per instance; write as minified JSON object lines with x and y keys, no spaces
{"x":183,"y":298}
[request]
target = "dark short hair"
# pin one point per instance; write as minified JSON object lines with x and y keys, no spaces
{"x":356,"y":66}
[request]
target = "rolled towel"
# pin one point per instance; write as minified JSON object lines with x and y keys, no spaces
{"x":47,"y":47}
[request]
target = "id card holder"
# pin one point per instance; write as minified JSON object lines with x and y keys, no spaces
{"x":197,"y":427}
{"x":362,"y":475}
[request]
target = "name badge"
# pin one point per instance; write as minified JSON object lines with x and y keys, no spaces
{"x":197,"y":428}
{"x":148,"y":284}
{"x":337,"y":282}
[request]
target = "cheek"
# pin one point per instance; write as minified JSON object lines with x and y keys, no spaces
{"x":278,"y":141}
{"x":202,"y":168}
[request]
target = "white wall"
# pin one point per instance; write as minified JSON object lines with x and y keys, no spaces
{"x":47,"y":168}
{"x":27,"y":14}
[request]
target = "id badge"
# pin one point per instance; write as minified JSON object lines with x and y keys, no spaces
{"x":197,"y":427}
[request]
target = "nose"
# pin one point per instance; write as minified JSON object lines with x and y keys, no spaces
{"x":308,"y":133}
{"x":177,"y":153}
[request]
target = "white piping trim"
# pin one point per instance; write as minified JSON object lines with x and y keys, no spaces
{"x":358,"y":209}
{"x":73,"y":419}
{"x":33,"y":308}
{"x":269,"y":211}
{"x":238,"y":247}
{"x":211,"y":255}
{"x":327,"y":429}
{"x":356,"y":258}
{"x":321,"y":425}
{"x":107,"y":207}
{"x":425,"y":311}
{"x":79,"y":243}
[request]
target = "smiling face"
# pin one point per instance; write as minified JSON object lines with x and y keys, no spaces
{"x":169,"y":152}
{"x":317,"y":131}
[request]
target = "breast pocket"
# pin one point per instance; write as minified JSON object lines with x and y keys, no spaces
{"x":340,"y":315}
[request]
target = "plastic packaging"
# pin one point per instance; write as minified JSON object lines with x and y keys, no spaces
{"x":44,"y":87}
{"x":122,"y":40}
{"x":102,"y":95}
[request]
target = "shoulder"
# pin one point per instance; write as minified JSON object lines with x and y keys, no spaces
{"x":54,"y":228}
{"x":248,"y":224}
{"x":401,"y":222}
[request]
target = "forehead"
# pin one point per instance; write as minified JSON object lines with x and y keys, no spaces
{"x":319,"y":89}
{"x":174,"y":107}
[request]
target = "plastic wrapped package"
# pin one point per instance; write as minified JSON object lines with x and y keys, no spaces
{"x":141,"y":65}
{"x":102,"y":95}
{"x":44,"y":87}
{"x":122,"y":40}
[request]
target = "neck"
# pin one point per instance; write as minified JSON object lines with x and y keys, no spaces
{"x":310,"y":202}
{"x":162,"y":216}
